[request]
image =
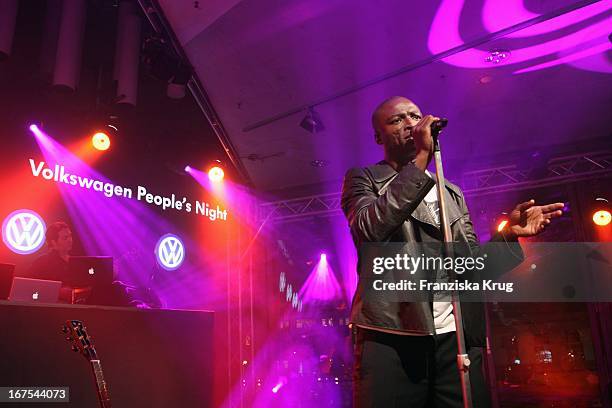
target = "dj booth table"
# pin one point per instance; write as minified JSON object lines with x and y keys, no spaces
{"x":150,"y":358}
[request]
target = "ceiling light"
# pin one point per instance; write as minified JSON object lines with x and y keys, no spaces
{"x":312,"y":122}
{"x":497,"y":56}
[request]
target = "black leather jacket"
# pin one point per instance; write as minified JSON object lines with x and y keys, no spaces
{"x":382,"y":205}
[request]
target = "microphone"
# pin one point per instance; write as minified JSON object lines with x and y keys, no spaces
{"x":437,"y":126}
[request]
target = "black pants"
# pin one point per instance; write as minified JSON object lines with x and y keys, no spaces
{"x":412,"y":371}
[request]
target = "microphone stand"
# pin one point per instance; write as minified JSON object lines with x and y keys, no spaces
{"x":463,"y":362}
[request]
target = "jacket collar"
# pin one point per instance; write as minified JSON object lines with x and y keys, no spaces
{"x":383,"y":173}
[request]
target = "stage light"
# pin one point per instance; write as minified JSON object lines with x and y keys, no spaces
{"x":602,"y":218}
{"x":216,"y":174}
{"x":320,"y":285}
{"x":187,"y":169}
{"x":501,"y":225}
{"x":497,"y":56}
{"x":312,"y":122}
{"x":281,"y":382}
{"x":500,"y":222}
{"x":100,"y":141}
{"x":36,"y":129}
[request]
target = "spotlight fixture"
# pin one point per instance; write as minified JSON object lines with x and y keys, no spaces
{"x":497,"y":56}
{"x":602,"y":218}
{"x":312,"y":122}
{"x":100,"y":141}
{"x":178,"y":83}
{"x":187,"y":169}
{"x":105,"y":129}
{"x":216,"y":173}
{"x":35,"y":127}
{"x":281,"y":382}
{"x":602,"y":215}
{"x":502,"y":224}
{"x":158,"y":58}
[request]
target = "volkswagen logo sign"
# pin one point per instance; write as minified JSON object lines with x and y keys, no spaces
{"x":23,"y":231}
{"x":170,"y":252}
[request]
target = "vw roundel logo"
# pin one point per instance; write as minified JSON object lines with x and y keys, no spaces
{"x":170,"y":252}
{"x":23,"y":231}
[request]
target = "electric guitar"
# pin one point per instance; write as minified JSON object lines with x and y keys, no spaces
{"x":81,"y":342}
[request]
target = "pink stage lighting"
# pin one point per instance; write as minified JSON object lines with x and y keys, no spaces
{"x":282,"y":381}
{"x":187,"y":169}
{"x":34,"y":128}
{"x":321,"y":285}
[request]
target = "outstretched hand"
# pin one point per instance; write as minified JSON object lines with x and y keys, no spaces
{"x":528,"y":219}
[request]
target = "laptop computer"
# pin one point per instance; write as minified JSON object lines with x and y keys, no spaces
{"x":6,"y":279}
{"x":89,"y":271}
{"x":35,"y":290}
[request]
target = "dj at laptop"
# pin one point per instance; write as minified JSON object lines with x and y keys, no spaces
{"x":54,"y":264}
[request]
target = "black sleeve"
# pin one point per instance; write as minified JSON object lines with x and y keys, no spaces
{"x":373,"y":217}
{"x":503,"y":254}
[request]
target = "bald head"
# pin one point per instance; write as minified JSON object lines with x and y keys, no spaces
{"x":393,"y":121}
{"x":386,"y":108}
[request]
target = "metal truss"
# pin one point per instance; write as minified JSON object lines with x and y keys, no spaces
{"x":300,"y":207}
{"x":559,"y":170}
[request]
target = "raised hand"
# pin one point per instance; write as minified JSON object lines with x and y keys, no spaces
{"x":528,"y":219}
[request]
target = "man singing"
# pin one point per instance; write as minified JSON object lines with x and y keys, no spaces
{"x":405,"y":353}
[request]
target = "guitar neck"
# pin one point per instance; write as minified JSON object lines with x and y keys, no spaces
{"x":103,"y":394}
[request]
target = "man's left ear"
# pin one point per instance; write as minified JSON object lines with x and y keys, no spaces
{"x":377,"y":138}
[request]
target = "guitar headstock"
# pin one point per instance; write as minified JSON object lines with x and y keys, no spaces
{"x":81,"y":342}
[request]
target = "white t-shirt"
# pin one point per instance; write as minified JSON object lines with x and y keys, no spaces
{"x":442,"y":311}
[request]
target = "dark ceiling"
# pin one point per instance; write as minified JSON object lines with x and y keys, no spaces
{"x":264,"y":62}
